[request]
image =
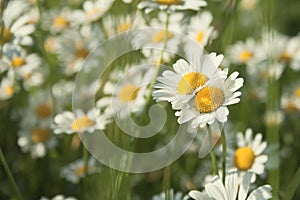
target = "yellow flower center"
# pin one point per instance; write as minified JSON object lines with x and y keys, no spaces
{"x":81,"y":123}
{"x":128,"y":93}
{"x":169,"y":2}
{"x":290,"y":107}
{"x":93,"y":11}
{"x":40,"y":135}
{"x":18,"y":61}
{"x":209,"y":99}
{"x":161,"y":36}
{"x":285,"y":57}
{"x":6,"y":35}
{"x":60,"y":22}
{"x":81,"y":53}
{"x":244,"y":158}
{"x":9,"y":90}
{"x":43,"y":110}
{"x":297,"y":92}
{"x":200,"y":37}
{"x":190,"y":82}
{"x":245,"y":56}
{"x":80,"y":171}
{"x":124,"y":27}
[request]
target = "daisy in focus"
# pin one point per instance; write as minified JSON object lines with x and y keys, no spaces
{"x":248,"y":156}
{"x":77,"y":170}
{"x":171,"y":5}
{"x":79,"y":121}
{"x":129,"y":95}
{"x":232,"y":190}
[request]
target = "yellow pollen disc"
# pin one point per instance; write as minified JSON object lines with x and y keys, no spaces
{"x":285,"y":57}
{"x":290,"y":107}
{"x":17,"y":62}
{"x":81,"y":53}
{"x":244,"y":158}
{"x":60,"y":22}
{"x":245,"y":56}
{"x":169,"y":2}
{"x":124,"y":27}
{"x":160,"y":36}
{"x":209,"y":99}
{"x":40,"y":135}
{"x":6,"y":35}
{"x":81,"y":170}
{"x":128,"y":93}
{"x":297,"y":92}
{"x":81,"y":123}
{"x":93,"y":11}
{"x":43,"y":110}
{"x":9,"y":90}
{"x":190,"y":82}
{"x":200,"y":37}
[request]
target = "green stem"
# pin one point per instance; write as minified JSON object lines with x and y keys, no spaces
{"x":292,"y":187}
{"x":224,"y":152}
{"x":85,"y":159}
{"x":214,"y":162}
{"x":166,"y":182}
{"x":9,"y":174}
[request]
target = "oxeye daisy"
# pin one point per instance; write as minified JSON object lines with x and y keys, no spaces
{"x":180,"y":85}
{"x":290,"y":100}
{"x":73,"y":172}
{"x":129,"y":94}
{"x":242,"y":52}
{"x":210,"y":103}
{"x":248,"y":156}
{"x":93,"y":10}
{"x":172,"y":5}
{"x":57,"y":21}
{"x":8,"y":86}
{"x":17,"y":24}
{"x":200,"y":29}
{"x":232,"y":190}
{"x":79,"y":121}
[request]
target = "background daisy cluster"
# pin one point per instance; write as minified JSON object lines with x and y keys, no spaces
{"x":245,"y":86}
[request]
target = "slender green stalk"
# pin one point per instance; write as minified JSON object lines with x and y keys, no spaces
{"x":166,"y":182}
{"x":10,"y":176}
{"x":85,"y":155}
{"x":224,"y":152}
{"x":212,"y":153}
{"x":293,"y":186}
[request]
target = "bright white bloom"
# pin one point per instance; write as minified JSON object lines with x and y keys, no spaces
{"x":18,"y":24}
{"x":58,"y":197}
{"x":242,"y":52}
{"x":77,"y":170}
{"x":182,"y":84}
{"x":249,"y":154}
{"x":129,"y":95}
{"x":8,"y":86}
{"x":69,"y":122}
{"x":58,"y":20}
{"x":232,"y":190}
{"x":93,"y":10}
{"x":172,"y":5}
{"x":200,"y":29}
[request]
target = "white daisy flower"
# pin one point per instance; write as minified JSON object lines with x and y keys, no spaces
{"x":79,"y":121}
{"x":172,"y":5}
{"x":129,"y":94}
{"x":290,"y":100}
{"x":58,"y":197}
{"x":17,"y":23}
{"x":8,"y":86}
{"x":93,"y":10}
{"x":51,"y":44}
{"x":77,"y":170}
{"x":160,"y":38}
{"x":200,"y":29}
{"x":180,"y":85}
{"x":15,"y":58}
{"x":249,"y":154}
{"x":273,"y":117}
{"x":232,"y":190}
{"x":242,"y":52}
